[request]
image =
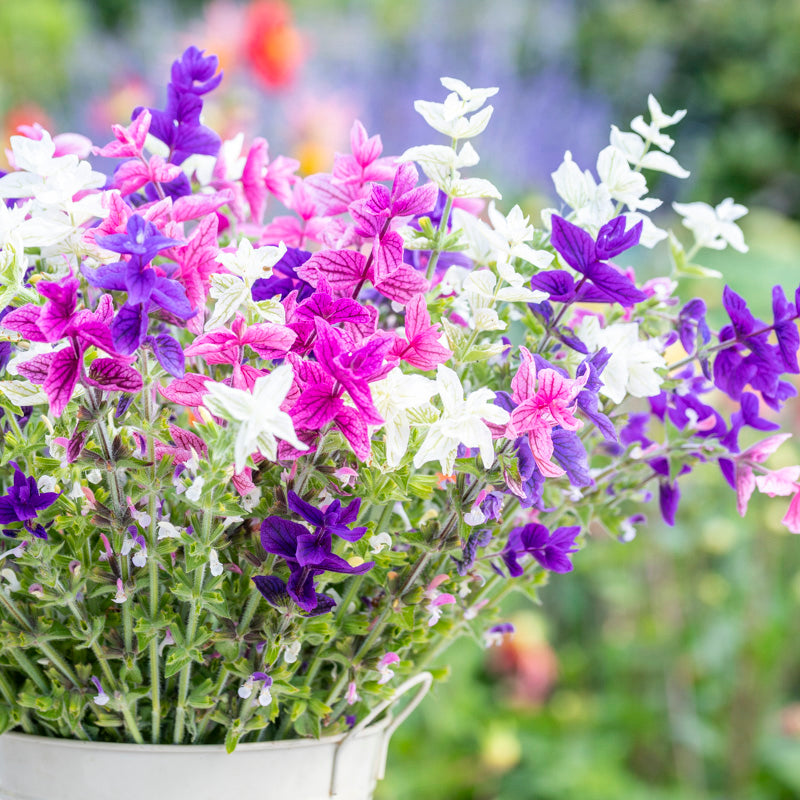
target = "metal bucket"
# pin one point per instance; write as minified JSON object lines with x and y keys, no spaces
{"x":344,"y":767}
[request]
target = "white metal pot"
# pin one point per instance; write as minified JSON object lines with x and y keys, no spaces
{"x":344,"y":767}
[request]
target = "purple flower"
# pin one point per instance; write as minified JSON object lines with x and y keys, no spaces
{"x":145,"y":288}
{"x":141,"y":239}
{"x":749,"y":358}
{"x":332,"y":520}
{"x":307,"y":555}
{"x":551,"y":550}
{"x":692,"y":325}
{"x":22,"y":503}
{"x":284,"y":278}
{"x":194,"y":72}
{"x":178,"y":125}
{"x":588,"y":257}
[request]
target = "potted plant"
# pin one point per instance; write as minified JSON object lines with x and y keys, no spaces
{"x":258,"y":474}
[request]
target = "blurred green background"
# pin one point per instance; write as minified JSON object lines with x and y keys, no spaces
{"x":667,"y":667}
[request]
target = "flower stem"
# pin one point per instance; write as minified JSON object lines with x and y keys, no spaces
{"x":191,"y":630}
{"x":434,"y":258}
{"x":150,"y":413}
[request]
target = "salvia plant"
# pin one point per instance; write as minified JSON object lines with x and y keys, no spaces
{"x":255,"y":472}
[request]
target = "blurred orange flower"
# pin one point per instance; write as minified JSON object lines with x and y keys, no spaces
{"x":274,"y":47}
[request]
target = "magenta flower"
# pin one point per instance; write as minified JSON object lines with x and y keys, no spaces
{"x":60,"y":371}
{"x":339,"y":370}
{"x":421,"y":347}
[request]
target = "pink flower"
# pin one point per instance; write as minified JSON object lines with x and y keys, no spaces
{"x":540,"y":409}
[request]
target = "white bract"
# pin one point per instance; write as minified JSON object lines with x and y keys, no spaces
{"x":257,"y":417}
{"x":233,"y":290}
{"x":463,"y":421}
{"x":714,"y":227}
{"x":450,"y":117}
{"x":394,"y":397}
{"x":632,"y":368}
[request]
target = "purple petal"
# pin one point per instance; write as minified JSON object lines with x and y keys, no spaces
{"x":129,"y":328}
{"x":574,"y":244}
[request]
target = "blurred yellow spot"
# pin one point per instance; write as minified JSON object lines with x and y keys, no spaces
{"x":674,"y":353}
{"x":719,"y":535}
{"x":313,"y":156}
{"x":501,"y":748}
{"x":355,"y":561}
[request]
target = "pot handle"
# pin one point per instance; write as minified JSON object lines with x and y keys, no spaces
{"x":423,"y":680}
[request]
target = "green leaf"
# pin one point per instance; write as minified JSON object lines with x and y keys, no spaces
{"x":232,"y":739}
{"x":308,"y":726}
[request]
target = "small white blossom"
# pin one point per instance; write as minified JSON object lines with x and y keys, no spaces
{"x":380,"y":542}
{"x":394,"y":397}
{"x":166,"y":530}
{"x":215,"y":565}
{"x":257,"y":417}
{"x":195,"y":491}
{"x":463,"y":421}
{"x":475,"y":517}
{"x":291,"y":652}
{"x":46,"y":483}
{"x":632,"y":368}
{"x":94,"y":476}
{"x":714,"y":227}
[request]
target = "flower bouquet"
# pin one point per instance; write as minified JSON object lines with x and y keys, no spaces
{"x":257,"y":471}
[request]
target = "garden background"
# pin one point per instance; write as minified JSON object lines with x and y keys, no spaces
{"x":668,"y":666}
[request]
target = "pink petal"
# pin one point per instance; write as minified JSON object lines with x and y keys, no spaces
{"x":792,"y":518}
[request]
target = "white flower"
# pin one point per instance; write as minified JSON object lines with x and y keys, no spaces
{"x":94,"y":476}
{"x":120,"y":596}
{"x":634,"y":148}
{"x":633,"y":363}
{"x":47,"y":483}
{"x":251,"y":263}
{"x":394,"y":397}
{"x":714,"y":227}
{"x":379,"y":542}
{"x":463,"y":421}
{"x":659,"y":118}
{"x":475,"y":517}
{"x":257,"y":417}
{"x":215,"y":565}
{"x":450,"y":117}
{"x":166,"y":530}
{"x":230,"y":291}
{"x":291,"y":652}
{"x":195,"y":491}
{"x":509,"y":234}
{"x":625,"y":185}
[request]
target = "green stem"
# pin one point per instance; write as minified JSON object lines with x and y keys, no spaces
{"x":130,"y":720}
{"x":191,"y":630}
{"x":224,"y":675}
{"x":150,"y":413}
{"x":431,"y":270}
{"x":59,"y":663}
{"x":249,"y":612}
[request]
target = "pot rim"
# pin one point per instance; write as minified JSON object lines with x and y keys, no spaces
{"x":185,"y":749}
